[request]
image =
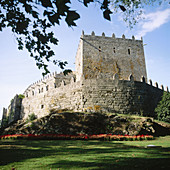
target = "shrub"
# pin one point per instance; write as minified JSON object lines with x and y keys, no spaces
{"x":5,"y":122}
{"x":31,"y":117}
{"x":11,"y":101}
{"x":163,"y":108}
{"x":97,"y":108}
{"x":21,"y":96}
{"x":33,"y":125}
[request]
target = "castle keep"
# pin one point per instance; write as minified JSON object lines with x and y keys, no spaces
{"x":100,"y":55}
{"x":110,"y":76}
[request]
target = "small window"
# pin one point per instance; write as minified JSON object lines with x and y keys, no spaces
{"x":55,"y":86}
{"x":33,"y":93}
{"x":114,"y":50}
{"x":42,"y":90}
{"x":39,"y":90}
{"x":129,"y":51}
{"x":42,"y":106}
{"x":27,"y":95}
{"x":99,"y":49}
{"x":47,"y":88}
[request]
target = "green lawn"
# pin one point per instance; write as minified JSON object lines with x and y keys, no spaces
{"x":60,"y":154}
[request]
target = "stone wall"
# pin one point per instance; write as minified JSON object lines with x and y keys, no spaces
{"x":14,"y":109}
{"x":4,"y":117}
{"x":53,"y":92}
{"x":13,"y":112}
{"x":120,"y":96}
{"x":101,"y":94}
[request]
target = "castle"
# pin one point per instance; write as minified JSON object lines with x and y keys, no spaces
{"x":110,"y":76}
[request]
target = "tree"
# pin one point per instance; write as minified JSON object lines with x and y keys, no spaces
{"x":132,"y":9}
{"x":31,"y":20}
{"x":163,"y":108}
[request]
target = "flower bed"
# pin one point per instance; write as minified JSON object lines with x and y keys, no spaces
{"x":106,"y":137}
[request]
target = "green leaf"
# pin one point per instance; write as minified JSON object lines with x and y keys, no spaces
{"x":86,"y":2}
{"x":67,"y":71}
{"x":50,"y":53}
{"x":105,"y":4}
{"x":35,"y":14}
{"x":62,"y":8}
{"x":54,"y":18}
{"x":46,"y":3}
{"x":71,"y":17}
{"x":28,"y":8}
{"x":62,"y":64}
{"x":106,"y":14}
{"x":122,"y":8}
{"x":54,"y":40}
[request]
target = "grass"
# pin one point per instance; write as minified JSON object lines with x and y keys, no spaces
{"x":77,"y":154}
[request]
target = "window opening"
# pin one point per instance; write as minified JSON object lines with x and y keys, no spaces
{"x":55,"y":86}
{"x":42,"y":106}
{"x":99,"y":49}
{"x":129,"y":51}
{"x":46,"y":88}
{"x":114,"y":50}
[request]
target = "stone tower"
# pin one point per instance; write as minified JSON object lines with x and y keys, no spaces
{"x":105,"y":56}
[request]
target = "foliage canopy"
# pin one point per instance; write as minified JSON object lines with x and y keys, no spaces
{"x":31,"y":117}
{"x":163,"y":108}
{"x":21,"y":96}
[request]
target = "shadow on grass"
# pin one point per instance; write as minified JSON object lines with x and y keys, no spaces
{"x":84,"y":155}
{"x":121,"y":164}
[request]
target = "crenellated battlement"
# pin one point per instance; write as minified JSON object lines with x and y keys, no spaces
{"x":93,"y":35}
{"x":46,"y":82}
{"x":87,"y":93}
{"x":51,"y":81}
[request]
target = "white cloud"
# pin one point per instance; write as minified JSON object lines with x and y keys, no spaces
{"x":153,"y":21}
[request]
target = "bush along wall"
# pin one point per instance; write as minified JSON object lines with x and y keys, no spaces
{"x":163,"y":108}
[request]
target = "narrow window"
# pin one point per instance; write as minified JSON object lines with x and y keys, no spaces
{"x":128,"y":51}
{"x":39,"y":90}
{"x":33,"y":93}
{"x":46,"y":88}
{"x":42,"y":90}
{"x":55,"y":86}
{"x":114,"y":50}
{"x":99,"y":49}
{"x":42,"y":106}
{"x":27,"y":95}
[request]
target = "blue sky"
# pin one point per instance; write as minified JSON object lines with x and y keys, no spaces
{"x":18,"y":70}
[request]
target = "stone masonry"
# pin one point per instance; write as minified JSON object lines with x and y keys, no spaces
{"x":13,"y":112}
{"x":98,"y":55}
{"x":110,"y":76}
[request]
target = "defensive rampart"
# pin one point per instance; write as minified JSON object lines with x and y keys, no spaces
{"x":121,"y":96}
{"x":101,"y":94}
